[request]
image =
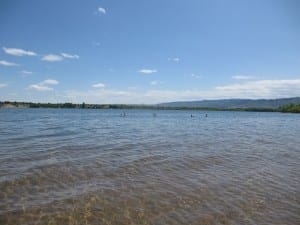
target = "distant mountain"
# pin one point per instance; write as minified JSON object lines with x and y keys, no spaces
{"x":235,"y":103}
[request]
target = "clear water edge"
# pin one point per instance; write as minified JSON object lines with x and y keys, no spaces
{"x":95,"y":167}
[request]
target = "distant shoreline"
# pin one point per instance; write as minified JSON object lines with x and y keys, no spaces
{"x":290,"y":108}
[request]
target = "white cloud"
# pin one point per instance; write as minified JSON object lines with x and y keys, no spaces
{"x":5,"y":63}
{"x":101,"y":10}
{"x":99,"y":85}
{"x":39,"y":87}
{"x":50,"y":81}
{"x":154,"y":82}
{"x":253,"y":90}
{"x":57,"y":58}
{"x":69,"y":56}
{"x":195,"y":76}
{"x":242,"y":77}
{"x":18,"y":52}
{"x":174,"y":59}
{"x":147,"y":71}
{"x":43,"y":86}
{"x":103,"y":96}
{"x":133,"y":88}
{"x":2,"y":85}
{"x":26,"y":72}
{"x":111,"y":96}
{"x":52,"y":58}
{"x":262,"y":89}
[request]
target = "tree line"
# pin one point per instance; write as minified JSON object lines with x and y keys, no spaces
{"x":290,"y":108}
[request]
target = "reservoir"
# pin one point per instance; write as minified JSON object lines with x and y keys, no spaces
{"x":84,"y":166}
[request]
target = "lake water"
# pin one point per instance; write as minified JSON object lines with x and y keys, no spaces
{"x":95,"y":167}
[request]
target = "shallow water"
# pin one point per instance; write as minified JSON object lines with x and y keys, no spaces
{"x":94,"y":167}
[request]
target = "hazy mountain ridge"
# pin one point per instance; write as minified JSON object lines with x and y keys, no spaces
{"x":235,"y":103}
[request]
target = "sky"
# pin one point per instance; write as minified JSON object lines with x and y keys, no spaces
{"x":148,"y":51}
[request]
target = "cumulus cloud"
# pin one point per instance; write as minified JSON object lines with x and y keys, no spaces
{"x":133,"y":96}
{"x":99,"y":85}
{"x":44,"y":85}
{"x":262,"y":88}
{"x":147,"y":71}
{"x":39,"y":87}
{"x":242,"y":77}
{"x":101,"y":10}
{"x":6,"y":63}
{"x":50,"y":81}
{"x":52,"y":58}
{"x":253,"y":90}
{"x":69,"y":56}
{"x":18,"y":52}
{"x":102,"y":95}
{"x":2,"y":85}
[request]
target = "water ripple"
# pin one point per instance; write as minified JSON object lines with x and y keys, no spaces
{"x":95,"y":167}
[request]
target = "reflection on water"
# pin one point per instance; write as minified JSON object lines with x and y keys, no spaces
{"x":95,"y":167}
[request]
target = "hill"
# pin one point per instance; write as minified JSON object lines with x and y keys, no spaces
{"x":235,"y":103}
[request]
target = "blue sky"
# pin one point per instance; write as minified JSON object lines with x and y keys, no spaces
{"x":141,"y":51}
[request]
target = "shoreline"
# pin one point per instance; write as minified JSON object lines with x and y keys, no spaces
{"x":26,"y":105}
